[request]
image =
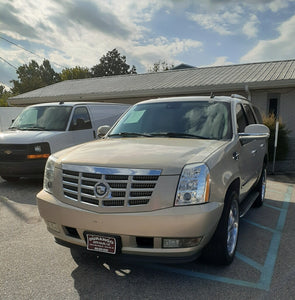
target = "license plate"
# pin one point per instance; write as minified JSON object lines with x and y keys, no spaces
{"x":99,"y":243}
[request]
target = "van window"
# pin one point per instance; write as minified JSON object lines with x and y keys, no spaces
{"x":81,"y":119}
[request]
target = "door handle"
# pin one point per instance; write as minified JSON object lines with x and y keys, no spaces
{"x":253,"y":152}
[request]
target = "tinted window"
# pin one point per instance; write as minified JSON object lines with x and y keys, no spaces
{"x":81,"y":119}
{"x":258,"y":115}
{"x":249,"y":114}
{"x":241,"y":118}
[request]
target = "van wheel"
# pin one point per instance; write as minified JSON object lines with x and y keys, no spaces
{"x":261,"y":188}
{"x":222,"y":247}
{"x":10,"y":179}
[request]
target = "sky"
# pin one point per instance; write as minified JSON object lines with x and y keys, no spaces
{"x":200,"y":33}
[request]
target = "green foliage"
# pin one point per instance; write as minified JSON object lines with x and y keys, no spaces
{"x":112,"y":64}
{"x":160,"y":66}
{"x":282,"y":145}
{"x":33,"y":76}
{"x":4,"y":95}
{"x":75,"y":73}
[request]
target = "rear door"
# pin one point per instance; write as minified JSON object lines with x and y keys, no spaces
{"x":247,"y":151}
{"x":258,"y":145}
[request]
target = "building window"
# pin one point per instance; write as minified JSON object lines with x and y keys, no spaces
{"x":273,"y":105}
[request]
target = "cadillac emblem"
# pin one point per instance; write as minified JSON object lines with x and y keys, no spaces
{"x":101,"y":189}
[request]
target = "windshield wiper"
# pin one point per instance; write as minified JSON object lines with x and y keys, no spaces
{"x":129,"y":134}
{"x":33,"y":128}
{"x":178,"y":135}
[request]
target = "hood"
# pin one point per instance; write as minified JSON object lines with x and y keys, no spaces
{"x":166,"y":154}
{"x":26,"y":136}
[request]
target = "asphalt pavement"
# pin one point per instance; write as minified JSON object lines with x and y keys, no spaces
{"x":33,"y":266}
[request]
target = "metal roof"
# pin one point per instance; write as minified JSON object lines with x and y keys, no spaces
{"x":273,"y":74}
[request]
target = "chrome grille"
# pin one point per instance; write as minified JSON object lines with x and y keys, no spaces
{"x":124,"y":187}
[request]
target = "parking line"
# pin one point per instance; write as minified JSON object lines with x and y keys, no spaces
{"x":259,"y":226}
{"x":249,"y":261}
{"x":269,"y":264}
{"x":266,"y":269}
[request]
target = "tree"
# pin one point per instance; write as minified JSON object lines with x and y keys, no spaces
{"x":112,"y":64}
{"x":160,"y":66}
{"x":4,"y":95}
{"x":33,"y":76}
{"x":75,"y":73}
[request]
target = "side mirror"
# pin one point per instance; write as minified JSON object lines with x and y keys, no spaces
{"x":255,"y":131}
{"x":103,"y":130}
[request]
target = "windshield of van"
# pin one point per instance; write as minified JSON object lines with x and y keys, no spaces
{"x":189,"y":119}
{"x":51,"y":118}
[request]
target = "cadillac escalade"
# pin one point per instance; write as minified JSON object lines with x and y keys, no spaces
{"x":169,"y":181}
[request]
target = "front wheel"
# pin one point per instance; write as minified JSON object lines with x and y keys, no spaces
{"x":222,"y":248}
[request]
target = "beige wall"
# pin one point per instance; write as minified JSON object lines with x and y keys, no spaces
{"x":286,"y":106}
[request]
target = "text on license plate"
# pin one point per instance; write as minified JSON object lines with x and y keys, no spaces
{"x":100,"y":243}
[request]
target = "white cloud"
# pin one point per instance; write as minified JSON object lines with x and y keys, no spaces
{"x":250,"y":28}
{"x":276,"y":5}
{"x":220,"y":61}
{"x":276,"y":49}
{"x":214,"y":22}
{"x":163,"y":49}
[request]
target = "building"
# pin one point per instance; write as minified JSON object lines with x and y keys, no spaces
{"x":269,"y":85}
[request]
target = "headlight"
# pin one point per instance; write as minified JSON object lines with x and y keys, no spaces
{"x":194,"y":185}
{"x":38,"y":151}
{"x":49,"y":174}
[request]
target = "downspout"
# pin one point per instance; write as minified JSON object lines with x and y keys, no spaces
{"x":247,"y":90}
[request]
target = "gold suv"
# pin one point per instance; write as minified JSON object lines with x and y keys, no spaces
{"x":169,"y":181}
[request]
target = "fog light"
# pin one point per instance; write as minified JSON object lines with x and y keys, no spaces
{"x":53,"y":226}
{"x":181,"y":243}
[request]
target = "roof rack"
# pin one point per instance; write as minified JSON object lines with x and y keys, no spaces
{"x":238,"y":96}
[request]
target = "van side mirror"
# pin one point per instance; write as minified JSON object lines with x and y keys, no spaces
{"x":254,"y":131}
{"x":103,"y":130}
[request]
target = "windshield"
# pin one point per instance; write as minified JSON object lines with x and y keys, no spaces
{"x":190,"y":119}
{"x":53,"y":118}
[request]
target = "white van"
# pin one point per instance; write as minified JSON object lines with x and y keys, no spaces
{"x":43,"y":129}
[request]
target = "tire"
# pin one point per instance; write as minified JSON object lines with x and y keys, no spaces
{"x":222,"y":247}
{"x":261,"y":188}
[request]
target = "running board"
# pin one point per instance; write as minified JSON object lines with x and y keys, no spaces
{"x":247,"y":203}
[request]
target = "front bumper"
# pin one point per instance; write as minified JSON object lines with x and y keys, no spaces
{"x":68,"y":225}
{"x":27,"y":168}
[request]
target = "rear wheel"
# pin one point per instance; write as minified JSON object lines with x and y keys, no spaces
{"x":221,"y":249}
